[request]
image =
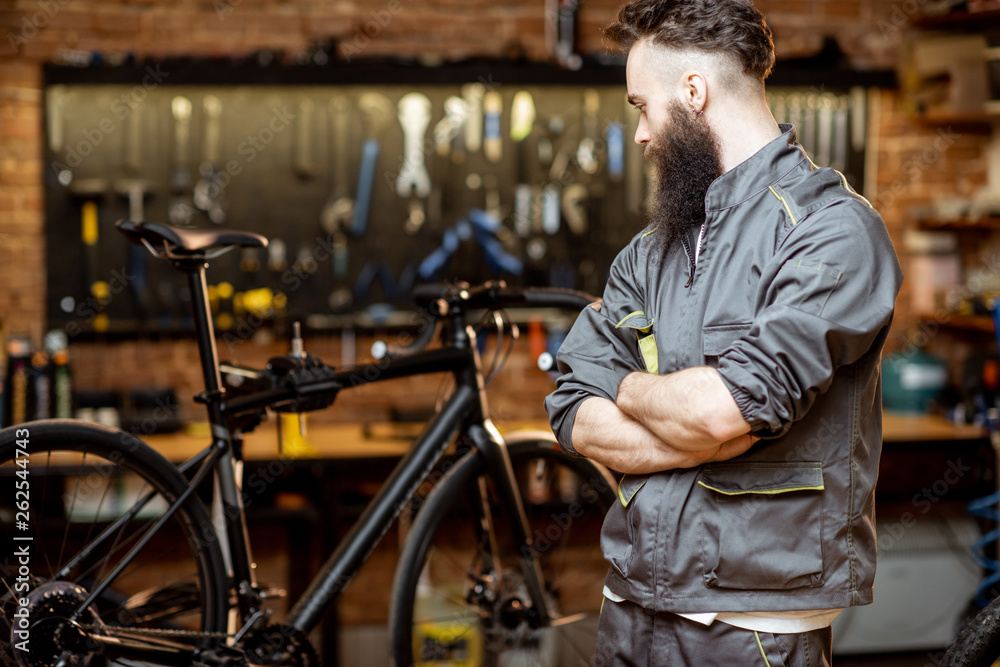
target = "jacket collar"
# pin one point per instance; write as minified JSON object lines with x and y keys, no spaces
{"x":752,"y":176}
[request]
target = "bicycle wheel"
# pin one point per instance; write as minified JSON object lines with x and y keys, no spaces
{"x":76,"y":498}
{"x":459,"y":596}
{"x":978,"y":645}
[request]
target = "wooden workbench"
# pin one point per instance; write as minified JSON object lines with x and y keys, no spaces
{"x":350,"y":441}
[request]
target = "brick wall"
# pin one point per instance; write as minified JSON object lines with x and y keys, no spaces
{"x":38,"y":31}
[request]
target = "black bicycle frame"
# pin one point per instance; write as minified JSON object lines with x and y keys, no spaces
{"x":464,"y":412}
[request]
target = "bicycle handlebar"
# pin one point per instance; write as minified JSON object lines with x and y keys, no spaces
{"x":497,"y":294}
{"x":437,"y":300}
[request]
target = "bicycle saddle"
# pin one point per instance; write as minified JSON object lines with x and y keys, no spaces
{"x":188,"y":241}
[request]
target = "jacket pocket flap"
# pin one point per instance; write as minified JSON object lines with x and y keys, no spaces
{"x":629,"y":486}
{"x":716,"y":340}
{"x":764,"y":477}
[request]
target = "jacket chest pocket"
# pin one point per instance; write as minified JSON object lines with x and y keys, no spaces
{"x":762,"y":525}
{"x":715,"y":340}
{"x":645,"y":340}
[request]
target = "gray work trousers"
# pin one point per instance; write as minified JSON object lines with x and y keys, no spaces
{"x":631,"y":636}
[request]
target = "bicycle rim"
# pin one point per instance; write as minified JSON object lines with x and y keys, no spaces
{"x":93,"y":493}
{"x":460,"y":596}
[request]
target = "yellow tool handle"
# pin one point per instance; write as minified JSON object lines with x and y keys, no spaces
{"x":88,"y":231}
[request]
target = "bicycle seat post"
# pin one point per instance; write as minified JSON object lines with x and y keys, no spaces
{"x":204,"y":333}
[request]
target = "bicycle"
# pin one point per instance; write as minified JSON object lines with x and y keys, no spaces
{"x":479,"y":581}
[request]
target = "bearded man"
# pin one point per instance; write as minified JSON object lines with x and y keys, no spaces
{"x":731,"y":371}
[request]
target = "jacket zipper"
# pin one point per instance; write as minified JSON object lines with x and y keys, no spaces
{"x":693,"y":258}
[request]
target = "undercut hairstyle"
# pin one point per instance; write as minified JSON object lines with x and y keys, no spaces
{"x":730,"y":28}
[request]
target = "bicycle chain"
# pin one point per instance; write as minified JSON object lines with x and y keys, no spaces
{"x":160,"y":632}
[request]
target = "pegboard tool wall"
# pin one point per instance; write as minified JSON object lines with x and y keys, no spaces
{"x":553,"y":164}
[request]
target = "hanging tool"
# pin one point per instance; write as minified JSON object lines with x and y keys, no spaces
{"x":304,"y":160}
{"x":338,"y":210}
{"x":336,"y":217}
{"x":574,"y":207}
{"x":414,"y":117}
{"x":522,"y":116}
{"x":414,"y":114}
{"x":473,"y":94}
{"x":586,"y":151}
{"x":808,"y":111}
{"x":89,"y":192}
{"x":794,"y":106}
{"x":135,"y":191}
{"x":134,"y":141}
{"x":566,"y":46}
{"x":180,"y":210}
{"x":550,"y":209}
{"x":55,"y":109}
{"x":492,"y":133}
{"x":455,"y":113}
{"x":374,"y":270}
{"x":841,"y":138}
{"x":483,"y":228}
{"x":824,"y":131}
{"x":859,"y":118}
{"x":376,"y":113}
{"x":614,"y":139}
{"x":209,"y":195}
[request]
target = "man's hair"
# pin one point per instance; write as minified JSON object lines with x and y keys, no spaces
{"x":733,"y":28}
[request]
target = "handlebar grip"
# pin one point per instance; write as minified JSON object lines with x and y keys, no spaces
{"x":382,"y":350}
{"x":430,"y":292}
{"x":556,"y":297}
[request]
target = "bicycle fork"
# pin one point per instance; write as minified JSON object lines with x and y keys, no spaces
{"x":488,"y":441}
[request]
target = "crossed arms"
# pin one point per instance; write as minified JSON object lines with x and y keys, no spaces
{"x":662,"y":422}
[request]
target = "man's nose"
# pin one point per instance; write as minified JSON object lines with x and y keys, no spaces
{"x":642,"y":133}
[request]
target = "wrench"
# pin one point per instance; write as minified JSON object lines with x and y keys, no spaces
{"x":414,"y":116}
{"x":181,"y":212}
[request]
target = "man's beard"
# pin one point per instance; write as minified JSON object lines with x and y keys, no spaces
{"x":686,"y":157}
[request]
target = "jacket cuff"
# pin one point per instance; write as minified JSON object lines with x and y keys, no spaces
{"x":763,"y":422}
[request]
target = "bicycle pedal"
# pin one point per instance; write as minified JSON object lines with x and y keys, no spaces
{"x":222,"y":656}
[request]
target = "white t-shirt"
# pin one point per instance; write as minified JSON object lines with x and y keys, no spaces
{"x":778,"y":622}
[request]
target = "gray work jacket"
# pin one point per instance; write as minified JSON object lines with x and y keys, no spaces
{"x":791,"y":300}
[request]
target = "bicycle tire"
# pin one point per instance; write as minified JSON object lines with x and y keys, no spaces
{"x":81,"y":478}
{"x":978,"y":644}
{"x":565,"y":510}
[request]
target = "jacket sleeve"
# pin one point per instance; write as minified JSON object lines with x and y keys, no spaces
{"x":596,"y":354}
{"x":830,"y":293}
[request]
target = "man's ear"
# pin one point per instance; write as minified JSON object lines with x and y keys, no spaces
{"x":695,"y":91}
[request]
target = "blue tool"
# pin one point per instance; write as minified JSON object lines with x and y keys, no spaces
{"x":366,"y":179}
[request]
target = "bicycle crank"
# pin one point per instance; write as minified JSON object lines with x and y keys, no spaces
{"x":276,"y":645}
{"x":52,"y":639}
